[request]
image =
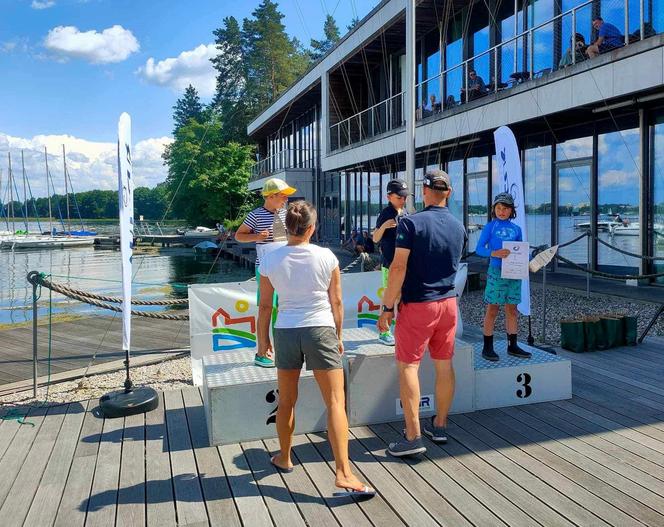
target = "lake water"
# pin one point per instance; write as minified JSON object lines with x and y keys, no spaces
{"x":158,"y":274}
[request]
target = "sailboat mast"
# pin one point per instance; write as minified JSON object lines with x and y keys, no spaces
{"x":64,"y":164}
{"x":25,"y":196}
{"x":11,"y":192}
{"x":2,"y":202}
{"x":48,"y":193}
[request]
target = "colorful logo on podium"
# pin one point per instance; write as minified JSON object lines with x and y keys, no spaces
{"x":367,"y":318}
{"x":225,"y":338}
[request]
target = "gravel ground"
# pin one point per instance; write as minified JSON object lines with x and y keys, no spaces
{"x":562,"y":303}
{"x":176,"y":373}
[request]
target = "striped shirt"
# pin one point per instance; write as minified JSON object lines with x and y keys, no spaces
{"x":261,"y":219}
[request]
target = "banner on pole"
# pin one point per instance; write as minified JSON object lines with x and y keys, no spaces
{"x":126,"y":211}
{"x":224,"y":317}
{"x":511,"y":181}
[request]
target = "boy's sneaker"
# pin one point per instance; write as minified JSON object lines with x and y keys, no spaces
{"x":407,"y":448}
{"x":516,"y":351}
{"x":490,"y":354}
{"x":263,"y":362}
{"x":386,"y":338}
{"x":438,"y":434}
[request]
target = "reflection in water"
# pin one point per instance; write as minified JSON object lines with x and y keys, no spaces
{"x":158,"y":274}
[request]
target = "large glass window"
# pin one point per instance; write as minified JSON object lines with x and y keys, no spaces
{"x":618,"y":198}
{"x":453,"y":57}
{"x":455,"y":204}
{"x":537,"y":193}
{"x":364,"y":193}
{"x":344,"y":203}
{"x":477,"y":178}
{"x":374,"y":198}
{"x":539,"y":12}
{"x":418,"y":191}
{"x":657,"y":174}
{"x":583,"y":23}
{"x":511,"y":54}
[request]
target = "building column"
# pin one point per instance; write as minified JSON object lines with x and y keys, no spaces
{"x":409,"y":105}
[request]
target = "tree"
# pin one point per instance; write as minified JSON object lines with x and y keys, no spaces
{"x":273,"y":60}
{"x":187,"y":107}
{"x":321,"y":47}
{"x":207,"y":178}
{"x":229,"y":100}
{"x":355,"y":21}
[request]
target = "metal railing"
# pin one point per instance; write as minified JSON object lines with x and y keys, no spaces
{"x":287,"y":158}
{"x":377,"y":119}
{"x":507,"y":64}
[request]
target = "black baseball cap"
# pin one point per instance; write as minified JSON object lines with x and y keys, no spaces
{"x":504,"y":198}
{"x":437,"y":180}
{"x":398,"y":187}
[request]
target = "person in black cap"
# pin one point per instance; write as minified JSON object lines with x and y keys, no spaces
{"x":385,"y":233}
{"x":429,"y":246}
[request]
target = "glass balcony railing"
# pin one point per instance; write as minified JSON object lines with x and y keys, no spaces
{"x":287,"y":158}
{"x":559,"y":42}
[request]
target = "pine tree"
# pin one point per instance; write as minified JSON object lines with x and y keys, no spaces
{"x":331,"y":32}
{"x":273,"y":59}
{"x":355,"y":21}
{"x":187,"y":107}
{"x":229,"y":100}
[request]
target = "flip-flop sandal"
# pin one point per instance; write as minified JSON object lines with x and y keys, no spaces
{"x":280,"y":469}
{"x":363,"y":491}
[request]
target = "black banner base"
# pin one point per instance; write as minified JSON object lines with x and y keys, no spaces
{"x":123,"y":403}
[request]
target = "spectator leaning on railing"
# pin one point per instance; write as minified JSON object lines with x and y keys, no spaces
{"x":608,"y":37}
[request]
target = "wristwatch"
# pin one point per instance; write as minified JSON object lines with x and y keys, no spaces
{"x":386,"y":309}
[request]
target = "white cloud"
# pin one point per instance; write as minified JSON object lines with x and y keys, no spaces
{"x":189,"y":67}
{"x":91,"y":164}
{"x":113,"y":44}
{"x":45,"y":4}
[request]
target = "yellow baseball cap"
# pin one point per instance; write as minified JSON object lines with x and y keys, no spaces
{"x":275,"y":185}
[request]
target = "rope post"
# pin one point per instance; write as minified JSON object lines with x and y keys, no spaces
{"x":34,"y":339}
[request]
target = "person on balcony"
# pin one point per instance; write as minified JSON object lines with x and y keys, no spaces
{"x":476,"y":86}
{"x":431,"y":107}
{"x":580,"y":47}
{"x":608,"y":37}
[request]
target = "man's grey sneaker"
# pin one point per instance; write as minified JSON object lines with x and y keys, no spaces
{"x":407,"y":448}
{"x":438,"y":434}
{"x":386,"y":338}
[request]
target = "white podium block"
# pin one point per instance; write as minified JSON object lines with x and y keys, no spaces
{"x":372,"y":383}
{"x":241,"y":399}
{"x":512,"y":381}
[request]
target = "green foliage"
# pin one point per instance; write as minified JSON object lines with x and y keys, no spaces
{"x":96,"y":204}
{"x":321,"y":47}
{"x":187,"y":107}
{"x":207,"y":178}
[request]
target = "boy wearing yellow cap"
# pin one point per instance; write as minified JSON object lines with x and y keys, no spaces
{"x":265,"y":226}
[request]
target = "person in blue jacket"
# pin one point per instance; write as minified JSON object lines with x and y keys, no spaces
{"x":500,"y":291}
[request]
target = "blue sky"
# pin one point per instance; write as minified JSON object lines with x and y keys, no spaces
{"x":70,"y":67}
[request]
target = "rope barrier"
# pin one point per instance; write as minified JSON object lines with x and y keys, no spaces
{"x":617,"y":249}
{"x":608,"y":275}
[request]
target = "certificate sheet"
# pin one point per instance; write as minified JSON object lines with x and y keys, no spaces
{"x":515,"y":266}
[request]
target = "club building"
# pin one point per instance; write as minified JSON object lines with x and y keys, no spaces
{"x":590,"y":130}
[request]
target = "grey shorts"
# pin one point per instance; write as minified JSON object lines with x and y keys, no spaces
{"x":318,"y":345}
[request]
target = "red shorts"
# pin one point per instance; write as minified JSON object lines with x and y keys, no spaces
{"x":422,"y":324}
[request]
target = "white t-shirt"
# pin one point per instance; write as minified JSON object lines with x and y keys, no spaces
{"x":301,"y":277}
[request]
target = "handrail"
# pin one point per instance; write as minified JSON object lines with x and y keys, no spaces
{"x":366,"y":110}
{"x":281,"y":160}
{"x":509,"y":41}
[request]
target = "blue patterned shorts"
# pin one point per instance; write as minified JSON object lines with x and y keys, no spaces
{"x":501,"y":290}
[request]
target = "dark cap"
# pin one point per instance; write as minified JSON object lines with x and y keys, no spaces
{"x":505,"y":198}
{"x":437,"y":180}
{"x":398,"y":187}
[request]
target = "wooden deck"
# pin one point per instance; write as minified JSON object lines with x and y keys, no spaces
{"x":73,"y":344}
{"x":597,"y":459}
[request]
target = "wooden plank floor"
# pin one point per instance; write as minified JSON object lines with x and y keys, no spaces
{"x":73,"y":344}
{"x":597,"y":459}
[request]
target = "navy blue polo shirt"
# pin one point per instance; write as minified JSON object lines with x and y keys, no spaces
{"x":435,"y":239}
{"x":388,"y":240}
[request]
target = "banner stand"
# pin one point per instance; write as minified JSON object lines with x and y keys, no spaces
{"x":131,"y":400}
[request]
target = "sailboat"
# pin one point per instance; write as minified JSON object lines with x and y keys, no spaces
{"x":27,"y":240}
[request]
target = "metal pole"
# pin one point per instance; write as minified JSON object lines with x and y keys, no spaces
{"x":544,"y":304}
{"x":410,"y":101}
{"x":496,"y":77}
{"x":531,"y":54}
{"x":589,"y":266}
{"x":626,"y":3}
{"x":573,"y":50}
{"x":48,"y":193}
{"x":642,"y":14}
{"x":34,"y":339}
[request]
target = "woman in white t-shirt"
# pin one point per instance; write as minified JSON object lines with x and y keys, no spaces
{"x":307,"y":280}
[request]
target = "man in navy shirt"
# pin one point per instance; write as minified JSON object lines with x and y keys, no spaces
{"x":385,"y":233}
{"x":429,"y":246}
{"x":608,"y":37}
